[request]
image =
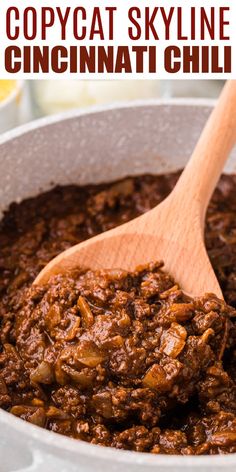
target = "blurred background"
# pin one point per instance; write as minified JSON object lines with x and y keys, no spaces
{"x":22,"y":101}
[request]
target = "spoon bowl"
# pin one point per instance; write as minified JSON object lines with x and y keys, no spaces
{"x":127,"y":247}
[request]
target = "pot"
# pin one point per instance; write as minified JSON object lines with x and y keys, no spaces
{"x":82,"y":147}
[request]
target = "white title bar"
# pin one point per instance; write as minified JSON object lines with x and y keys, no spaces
{"x":120,"y":39}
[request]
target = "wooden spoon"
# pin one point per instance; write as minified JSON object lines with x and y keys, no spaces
{"x":174,"y":230}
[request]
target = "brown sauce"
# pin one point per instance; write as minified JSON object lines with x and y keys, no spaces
{"x":114,"y":358}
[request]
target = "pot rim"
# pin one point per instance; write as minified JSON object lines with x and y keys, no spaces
{"x":77,"y":112}
{"x":72,"y":446}
{"x":78,"y":447}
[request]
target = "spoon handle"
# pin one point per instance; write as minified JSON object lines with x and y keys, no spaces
{"x":203,"y":170}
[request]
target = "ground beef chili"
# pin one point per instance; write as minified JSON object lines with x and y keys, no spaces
{"x":114,"y":358}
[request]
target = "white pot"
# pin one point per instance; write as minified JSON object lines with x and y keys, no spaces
{"x":83,"y":147}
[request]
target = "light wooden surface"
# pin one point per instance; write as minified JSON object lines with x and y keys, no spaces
{"x":173,"y":231}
